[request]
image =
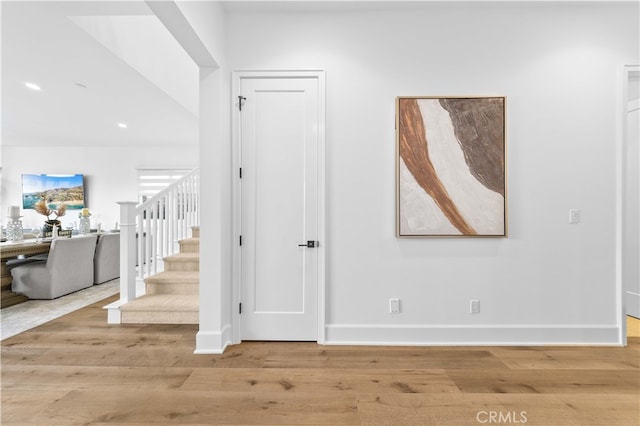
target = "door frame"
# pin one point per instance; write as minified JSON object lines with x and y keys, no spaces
{"x":236,"y":213}
{"x":626,"y":73}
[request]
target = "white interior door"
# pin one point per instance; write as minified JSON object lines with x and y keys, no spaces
{"x":279,"y":138}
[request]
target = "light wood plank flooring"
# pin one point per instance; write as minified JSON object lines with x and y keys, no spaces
{"x":78,"y":370}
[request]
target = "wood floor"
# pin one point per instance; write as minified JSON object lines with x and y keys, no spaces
{"x":78,"y":370}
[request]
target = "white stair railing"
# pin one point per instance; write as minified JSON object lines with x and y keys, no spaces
{"x":165,"y":219}
{"x":151,"y":231}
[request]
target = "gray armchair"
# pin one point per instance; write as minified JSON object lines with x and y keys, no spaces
{"x":106,"y":263}
{"x":68,"y":268}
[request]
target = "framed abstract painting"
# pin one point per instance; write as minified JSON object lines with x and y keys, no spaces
{"x":450,"y":167}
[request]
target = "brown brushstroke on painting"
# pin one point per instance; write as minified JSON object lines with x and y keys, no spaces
{"x":479,"y":128}
{"x":415,"y":153}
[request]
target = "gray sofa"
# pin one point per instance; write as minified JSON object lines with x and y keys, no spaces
{"x":68,"y":268}
{"x":106,"y":261}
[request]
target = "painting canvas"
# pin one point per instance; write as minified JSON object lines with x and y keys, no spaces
{"x":55,"y":189}
{"x":450,"y":155}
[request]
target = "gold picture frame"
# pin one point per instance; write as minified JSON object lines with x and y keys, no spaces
{"x":451,"y":166}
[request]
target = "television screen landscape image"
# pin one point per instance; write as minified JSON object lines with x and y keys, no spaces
{"x":55,"y":189}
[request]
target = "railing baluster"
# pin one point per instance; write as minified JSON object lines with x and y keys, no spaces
{"x":154,"y":237}
{"x":183,"y":210}
{"x":146,"y":237}
{"x":140,"y":245}
{"x":176,"y":215}
{"x":154,"y":242}
{"x":157,"y":225}
{"x":191,"y":203}
{"x":161,"y":239}
{"x":172,"y":224}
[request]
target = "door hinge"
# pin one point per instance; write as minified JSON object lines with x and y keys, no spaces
{"x":240,"y":308}
{"x":240,"y":239}
{"x":240,"y":172}
{"x":241,"y":100}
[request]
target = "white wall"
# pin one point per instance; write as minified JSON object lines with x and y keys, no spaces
{"x":549,"y":281}
{"x":208,"y":21}
{"x":200,"y":27}
{"x":110,"y":174}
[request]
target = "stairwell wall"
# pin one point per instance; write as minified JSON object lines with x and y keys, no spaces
{"x":201,"y":29}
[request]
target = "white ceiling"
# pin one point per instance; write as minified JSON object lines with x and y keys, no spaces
{"x":100,"y":63}
{"x":132,"y":69}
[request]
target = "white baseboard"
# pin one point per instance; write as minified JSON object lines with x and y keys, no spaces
{"x":466,"y":335}
{"x":213,"y":342}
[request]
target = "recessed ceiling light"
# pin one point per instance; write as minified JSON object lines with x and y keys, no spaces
{"x":33,"y":86}
{"x":122,"y":125}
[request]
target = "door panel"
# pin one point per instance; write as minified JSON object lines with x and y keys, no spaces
{"x":279,"y":142}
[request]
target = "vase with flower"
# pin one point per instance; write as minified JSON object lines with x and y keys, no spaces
{"x":43,"y":208}
{"x":85,"y":222}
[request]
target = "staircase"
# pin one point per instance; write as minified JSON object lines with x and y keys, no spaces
{"x":172,"y":296}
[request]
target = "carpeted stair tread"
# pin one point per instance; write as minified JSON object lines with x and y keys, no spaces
{"x":192,"y":240}
{"x":190,"y":245}
{"x":173,"y":282}
{"x":163,"y":303}
{"x":182,"y":262}
{"x":171,"y":277}
{"x":183,"y":257}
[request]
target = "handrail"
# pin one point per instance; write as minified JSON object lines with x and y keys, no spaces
{"x":152,"y":230}
{"x":160,"y":194}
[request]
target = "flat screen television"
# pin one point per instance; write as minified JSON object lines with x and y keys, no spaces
{"x":55,"y":189}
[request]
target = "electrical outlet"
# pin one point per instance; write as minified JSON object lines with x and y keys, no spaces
{"x":574,"y":216}
{"x":394,"y":306}
{"x":474,"y":307}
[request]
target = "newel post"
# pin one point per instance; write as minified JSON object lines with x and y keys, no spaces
{"x":127,"y":250}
